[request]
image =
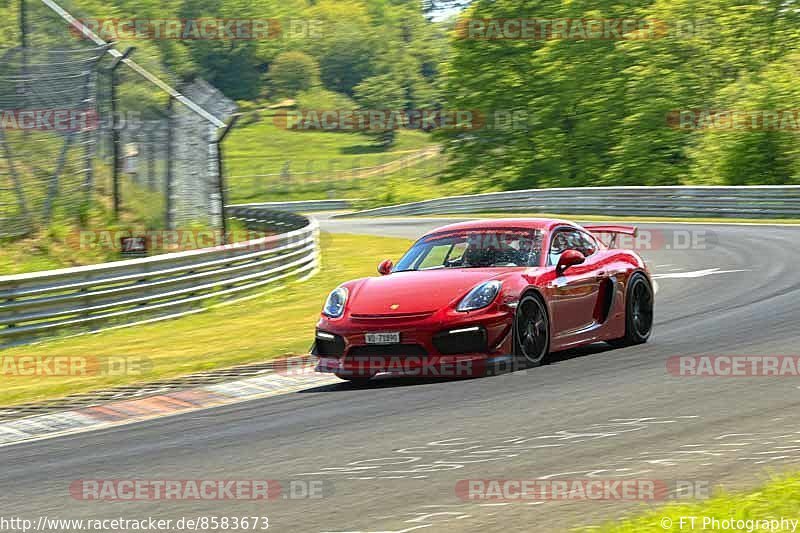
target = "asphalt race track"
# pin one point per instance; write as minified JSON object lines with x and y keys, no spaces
{"x":391,"y":454}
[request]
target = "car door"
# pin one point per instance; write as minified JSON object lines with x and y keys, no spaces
{"x":574,"y":292}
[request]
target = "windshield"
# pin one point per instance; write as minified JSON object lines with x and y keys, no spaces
{"x":473,"y":249}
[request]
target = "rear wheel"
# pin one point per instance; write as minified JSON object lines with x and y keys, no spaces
{"x":638,"y":312}
{"x":531,"y":331}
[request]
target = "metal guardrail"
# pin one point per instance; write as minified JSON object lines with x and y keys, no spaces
{"x":95,"y":297}
{"x":767,"y":201}
{"x":303,"y":206}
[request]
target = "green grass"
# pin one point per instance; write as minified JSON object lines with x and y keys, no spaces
{"x":258,"y":139}
{"x":58,"y":245}
{"x":265,"y":162}
{"x":778,"y":498}
{"x":43,"y":251}
{"x":278,"y":323}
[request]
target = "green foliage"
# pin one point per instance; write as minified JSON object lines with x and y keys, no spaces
{"x":347,"y":46}
{"x":292,"y":72}
{"x":593,"y":112}
{"x":559,"y":112}
{"x":383,"y":92}
{"x":349,"y":40}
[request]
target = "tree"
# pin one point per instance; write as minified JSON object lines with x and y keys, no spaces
{"x":292,"y":72}
{"x":347,"y":47}
{"x":382,"y":93}
{"x":597,"y":108}
{"x":232,"y":66}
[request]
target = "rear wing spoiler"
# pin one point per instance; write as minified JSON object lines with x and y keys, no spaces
{"x":613,"y":230}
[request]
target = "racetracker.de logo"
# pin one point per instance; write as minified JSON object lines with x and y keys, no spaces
{"x":204,"y":29}
{"x":734,"y":120}
{"x":568,"y":29}
{"x":165,"y":489}
{"x":120,"y":490}
{"x":647,"y":239}
{"x":61,"y":120}
{"x":169,"y":240}
{"x":510,"y":490}
{"x":409,"y":366}
{"x":732,"y":366}
{"x":379,"y":119}
{"x":42,"y":366}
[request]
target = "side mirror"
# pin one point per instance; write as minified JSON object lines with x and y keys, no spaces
{"x":385,"y":267}
{"x":569,"y":258}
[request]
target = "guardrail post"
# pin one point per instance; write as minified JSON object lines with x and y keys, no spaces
{"x":10,"y":300}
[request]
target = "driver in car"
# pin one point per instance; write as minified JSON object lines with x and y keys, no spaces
{"x":557,"y":247}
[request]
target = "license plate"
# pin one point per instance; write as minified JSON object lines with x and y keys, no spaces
{"x":383,"y":338}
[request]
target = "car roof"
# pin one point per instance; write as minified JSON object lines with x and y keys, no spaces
{"x":544,"y":224}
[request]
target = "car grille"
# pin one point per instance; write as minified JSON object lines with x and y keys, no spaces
{"x":464,"y":342}
{"x":387,"y":350}
{"x":329,"y":347}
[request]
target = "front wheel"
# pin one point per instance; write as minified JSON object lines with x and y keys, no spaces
{"x":531,"y":331}
{"x":638,"y":312}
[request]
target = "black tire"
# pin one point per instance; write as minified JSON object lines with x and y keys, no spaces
{"x":531,"y":332}
{"x":638,"y":312}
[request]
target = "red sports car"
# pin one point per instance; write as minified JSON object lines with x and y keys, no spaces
{"x":473,"y":297}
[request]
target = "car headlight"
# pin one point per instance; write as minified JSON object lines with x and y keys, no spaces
{"x":479,"y":297}
{"x":334,"y":305}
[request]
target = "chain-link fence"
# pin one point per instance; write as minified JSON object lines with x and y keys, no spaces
{"x":196,"y":157}
{"x":84,"y":128}
{"x":167,"y":155}
{"x":47,"y":135}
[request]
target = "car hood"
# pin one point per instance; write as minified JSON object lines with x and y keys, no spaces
{"x":416,"y":292}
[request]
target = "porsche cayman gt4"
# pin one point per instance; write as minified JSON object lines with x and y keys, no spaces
{"x":471,"y":297}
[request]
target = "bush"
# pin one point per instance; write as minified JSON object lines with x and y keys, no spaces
{"x":292,"y":72}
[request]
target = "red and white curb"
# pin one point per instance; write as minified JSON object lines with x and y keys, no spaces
{"x":118,"y":413}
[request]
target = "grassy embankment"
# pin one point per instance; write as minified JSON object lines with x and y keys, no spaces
{"x":267,"y":162}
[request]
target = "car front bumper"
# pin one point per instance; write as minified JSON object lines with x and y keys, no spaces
{"x":435,"y":348}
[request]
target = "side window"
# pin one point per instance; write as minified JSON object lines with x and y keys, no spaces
{"x":435,"y":257}
{"x":562,"y":240}
{"x":588,"y":246}
{"x":457,"y":252}
{"x":571,"y":240}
